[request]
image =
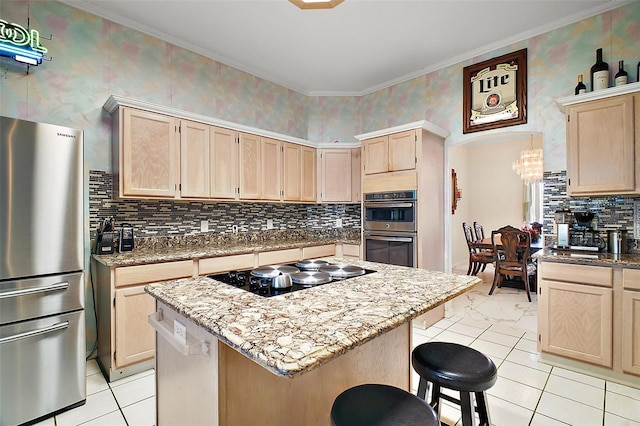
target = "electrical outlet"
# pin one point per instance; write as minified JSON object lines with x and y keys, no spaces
{"x":234,"y":229}
{"x":180,"y":331}
{"x":269,"y":223}
{"x":204,"y":226}
{"x":338,"y":223}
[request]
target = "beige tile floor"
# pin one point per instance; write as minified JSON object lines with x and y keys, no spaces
{"x":502,"y":326}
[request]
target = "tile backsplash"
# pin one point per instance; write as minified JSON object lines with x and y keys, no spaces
{"x":612,"y":212}
{"x":170,"y":218}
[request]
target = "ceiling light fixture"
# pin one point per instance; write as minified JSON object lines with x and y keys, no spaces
{"x":316,"y":4}
{"x":530,"y":164}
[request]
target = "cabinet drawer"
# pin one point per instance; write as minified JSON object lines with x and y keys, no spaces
{"x":226,"y":263}
{"x":581,"y":274}
{"x":279,"y":256}
{"x":352,"y":250}
{"x":319,"y":251}
{"x":631,"y":279}
{"x":153,"y":272}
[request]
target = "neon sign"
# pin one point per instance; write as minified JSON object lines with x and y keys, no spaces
{"x":21,"y":44}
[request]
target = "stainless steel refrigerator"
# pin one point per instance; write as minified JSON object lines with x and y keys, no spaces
{"x":42,"y":328}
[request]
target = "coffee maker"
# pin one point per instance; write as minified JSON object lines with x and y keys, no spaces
{"x":563,"y":219}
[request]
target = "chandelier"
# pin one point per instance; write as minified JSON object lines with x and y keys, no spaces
{"x":530,"y":164}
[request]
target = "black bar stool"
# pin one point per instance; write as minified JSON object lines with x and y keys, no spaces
{"x":380,"y":405}
{"x":456,"y":367}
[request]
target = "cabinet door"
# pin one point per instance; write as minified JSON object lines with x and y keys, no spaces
{"x":148,"y":154}
{"x":402,"y":151}
{"x":194,"y":160}
{"x":600,"y":144}
{"x":335,"y":175}
{"x":375,"y":154}
{"x":292,"y":170}
{"x":250,"y":166}
{"x":224,"y":163}
{"x":631,"y":332}
{"x":271,"y":169}
{"x":356,"y":176}
{"x":308,"y":174}
{"x":135,"y":338}
{"x":576,"y":321}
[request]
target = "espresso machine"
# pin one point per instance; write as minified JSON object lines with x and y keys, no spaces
{"x":575,"y":231}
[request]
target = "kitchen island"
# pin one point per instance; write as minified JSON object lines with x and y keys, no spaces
{"x":282,"y":360}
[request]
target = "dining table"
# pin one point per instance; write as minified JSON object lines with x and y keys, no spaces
{"x":486,"y":243}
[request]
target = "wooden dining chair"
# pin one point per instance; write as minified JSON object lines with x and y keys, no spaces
{"x":479,"y":231}
{"x":478,"y":257}
{"x":512,"y":247}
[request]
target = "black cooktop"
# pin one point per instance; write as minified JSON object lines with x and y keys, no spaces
{"x":262,"y":285}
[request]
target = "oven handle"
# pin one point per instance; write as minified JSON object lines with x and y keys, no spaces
{"x":396,"y":239}
{"x":27,"y":334}
{"x":388,"y":205}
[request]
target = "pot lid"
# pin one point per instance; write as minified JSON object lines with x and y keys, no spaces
{"x":311,"y":265}
{"x":274,"y":270}
{"x":342,"y":271}
{"x":310,"y":278}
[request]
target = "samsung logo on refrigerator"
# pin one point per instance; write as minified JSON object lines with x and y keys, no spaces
{"x":66,"y":135}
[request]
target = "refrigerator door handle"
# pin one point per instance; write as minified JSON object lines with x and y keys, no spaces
{"x":27,"y":334}
{"x":33,"y":290}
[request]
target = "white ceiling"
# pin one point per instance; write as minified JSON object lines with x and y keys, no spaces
{"x":357,"y":48}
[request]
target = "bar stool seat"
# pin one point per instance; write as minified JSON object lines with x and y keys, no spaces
{"x":380,"y":405}
{"x":456,"y":367}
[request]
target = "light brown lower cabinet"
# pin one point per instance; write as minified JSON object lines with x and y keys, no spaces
{"x":126,"y":342}
{"x":631,"y":321}
{"x":590,"y":314}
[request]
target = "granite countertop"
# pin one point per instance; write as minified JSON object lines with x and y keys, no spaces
{"x":204,"y":246}
{"x":588,"y":258}
{"x":296,"y":332}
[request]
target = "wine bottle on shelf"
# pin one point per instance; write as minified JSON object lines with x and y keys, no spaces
{"x":638,"y":73}
{"x":580,"y":87}
{"x":621,"y":76}
{"x":599,"y":73}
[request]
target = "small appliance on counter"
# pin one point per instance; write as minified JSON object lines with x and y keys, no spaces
{"x":126,"y":238}
{"x":104,"y":237}
{"x":575,"y":231}
{"x":617,"y":241}
{"x":563,"y":219}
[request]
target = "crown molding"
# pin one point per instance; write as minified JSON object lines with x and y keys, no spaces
{"x":422,"y":124}
{"x":598,"y":94}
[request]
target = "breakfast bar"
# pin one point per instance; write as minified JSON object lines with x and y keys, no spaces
{"x":231,"y":357}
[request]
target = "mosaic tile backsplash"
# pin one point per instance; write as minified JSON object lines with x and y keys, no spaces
{"x":171,"y":218}
{"x":612,"y":213}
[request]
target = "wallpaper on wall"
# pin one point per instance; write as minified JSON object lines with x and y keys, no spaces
{"x":94,"y":58}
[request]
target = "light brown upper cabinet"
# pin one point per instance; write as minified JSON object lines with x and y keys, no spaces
{"x":160,"y":156}
{"x":271,"y":169}
{"x":250,"y":166}
{"x":224,"y":163}
{"x":339,"y":175}
{"x":194,"y":160}
{"x":299,"y":172}
{"x":308,"y":173}
{"x":603,"y":142}
{"x":390,"y":153}
{"x":145,"y":154}
{"x":291,"y":171}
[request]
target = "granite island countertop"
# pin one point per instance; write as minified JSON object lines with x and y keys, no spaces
{"x":296,"y":332}
{"x":588,"y":258}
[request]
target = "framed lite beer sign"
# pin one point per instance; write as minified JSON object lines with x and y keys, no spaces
{"x":495,"y":93}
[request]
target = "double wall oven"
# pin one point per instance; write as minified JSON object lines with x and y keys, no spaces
{"x":390,"y":230}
